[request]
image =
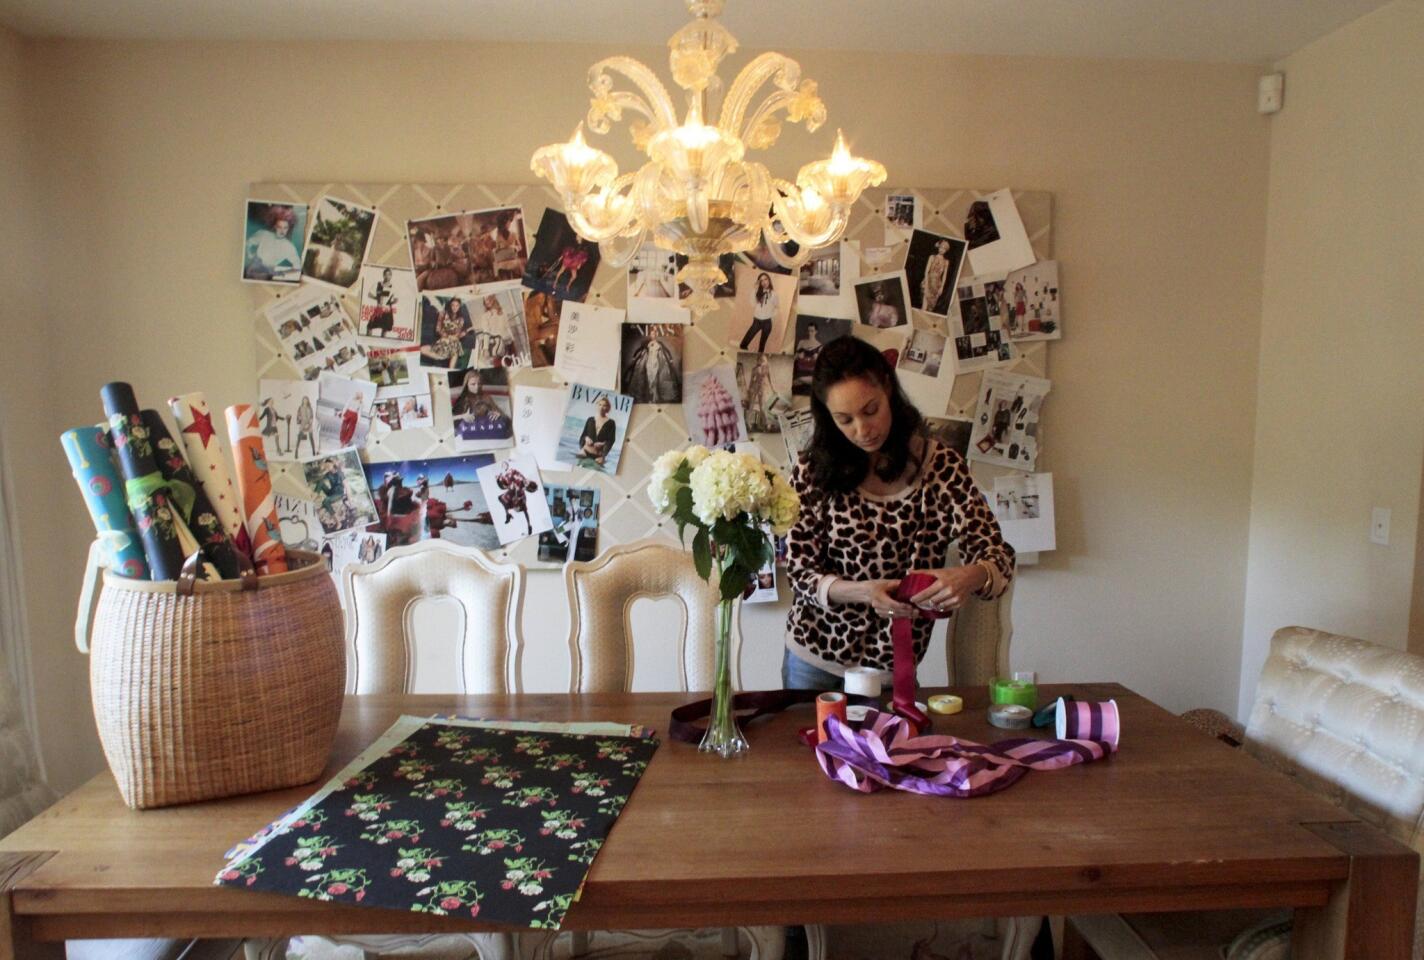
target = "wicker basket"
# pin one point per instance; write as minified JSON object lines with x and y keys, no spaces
{"x":234,"y":689}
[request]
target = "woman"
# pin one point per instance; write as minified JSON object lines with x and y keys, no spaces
{"x":760,"y":397}
{"x":350,"y":417}
{"x":306,"y":431}
{"x":475,"y":414}
{"x":492,"y":340}
{"x":765,"y":305}
{"x":882,"y":312}
{"x":936,"y":276}
{"x":271,"y":254}
{"x":871,"y":466}
{"x":599,"y":433}
{"x":452,"y":325}
{"x":514,"y":487}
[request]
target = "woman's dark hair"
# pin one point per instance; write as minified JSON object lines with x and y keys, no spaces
{"x":833,"y":462}
{"x":762,"y":294}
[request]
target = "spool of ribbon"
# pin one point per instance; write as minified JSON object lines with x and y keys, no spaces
{"x":945,"y":703}
{"x":1089,"y":720}
{"x":210,"y":464}
{"x":829,"y":704}
{"x":1010,"y":716}
{"x":219,"y":552}
{"x":902,"y":640}
{"x":254,"y":483}
{"x":885,"y":752}
{"x":88,"y":451}
{"x":862,"y":681}
{"x":1022,"y":692}
{"x":166,"y":539}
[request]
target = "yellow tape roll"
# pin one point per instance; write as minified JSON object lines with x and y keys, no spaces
{"x":945,"y":703}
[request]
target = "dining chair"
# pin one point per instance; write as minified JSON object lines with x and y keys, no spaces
{"x":380,"y":599}
{"x":25,"y":794}
{"x":601,"y":593}
{"x":1341,"y":716}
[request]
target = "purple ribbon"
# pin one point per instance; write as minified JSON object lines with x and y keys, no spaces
{"x":885,"y":752}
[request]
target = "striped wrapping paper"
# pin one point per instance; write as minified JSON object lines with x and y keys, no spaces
{"x":254,"y":483}
{"x":885,"y":752}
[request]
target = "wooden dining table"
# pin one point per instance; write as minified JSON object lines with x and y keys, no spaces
{"x":1175,"y":820}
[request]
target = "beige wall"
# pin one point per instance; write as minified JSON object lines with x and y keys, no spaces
{"x":1159,"y":177}
{"x":1338,"y":410}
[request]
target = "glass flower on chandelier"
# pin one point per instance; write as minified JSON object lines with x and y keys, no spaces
{"x":698,"y":194}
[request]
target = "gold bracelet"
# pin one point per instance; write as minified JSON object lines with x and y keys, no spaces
{"x":989,"y":571}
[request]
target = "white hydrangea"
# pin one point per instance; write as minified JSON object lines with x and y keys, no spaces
{"x":726,"y":484}
{"x":784,"y":508}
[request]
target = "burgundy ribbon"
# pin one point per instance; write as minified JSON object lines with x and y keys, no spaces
{"x":761,"y":703}
{"x":886,"y":752}
{"x":902,"y":642}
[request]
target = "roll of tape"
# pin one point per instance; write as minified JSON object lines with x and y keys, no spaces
{"x":1086,"y":720}
{"x":862,"y":681}
{"x":1010,"y":716}
{"x":829,"y":704}
{"x":1024,"y":693}
{"x":945,"y":703}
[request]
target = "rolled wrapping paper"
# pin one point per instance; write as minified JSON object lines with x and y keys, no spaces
{"x":210,"y":464}
{"x":1089,"y":720}
{"x":156,"y":510}
{"x":864,"y":681}
{"x":829,"y":704}
{"x":219,"y":552}
{"x":254,"y":484}
{"x":88,"y":451}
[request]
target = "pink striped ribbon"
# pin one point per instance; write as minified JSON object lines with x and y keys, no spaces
{"x":885,"y":752}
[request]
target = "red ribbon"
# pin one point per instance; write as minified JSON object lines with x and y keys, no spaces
{"x":903,"y":647}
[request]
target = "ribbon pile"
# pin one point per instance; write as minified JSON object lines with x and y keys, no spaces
{"x":887,"y":752}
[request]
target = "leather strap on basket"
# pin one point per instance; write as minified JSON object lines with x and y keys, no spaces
{"x":188,"y":576}
{"x":748,"y":706}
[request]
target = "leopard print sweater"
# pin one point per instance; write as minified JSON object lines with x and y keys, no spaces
{"x":862,"y":536}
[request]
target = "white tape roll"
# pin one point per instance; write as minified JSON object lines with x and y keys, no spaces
{"x":864,"y":681}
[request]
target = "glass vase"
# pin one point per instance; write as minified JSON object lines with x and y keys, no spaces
{"x":723,"y":737}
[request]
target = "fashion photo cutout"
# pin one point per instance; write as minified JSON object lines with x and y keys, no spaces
{"x":339,"y":242}
{"x":651,"y":364}
{"x":273,"y":241}
{"x":761,"y":310}
{"x":469,"y":248}
{"x":438,"y":499}
{"x":932,"y":268}
{"x":387,"y":306}
{"x":515,"y":497}
{"x":561,"y":264}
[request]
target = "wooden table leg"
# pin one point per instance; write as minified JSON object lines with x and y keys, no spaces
{"x":1371,"y":912}
{"x":15,"y":940}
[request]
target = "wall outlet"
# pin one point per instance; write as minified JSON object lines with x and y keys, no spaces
{"x":1379,"y":526}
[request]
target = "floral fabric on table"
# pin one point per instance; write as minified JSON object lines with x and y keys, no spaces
{"x":499,"y":824}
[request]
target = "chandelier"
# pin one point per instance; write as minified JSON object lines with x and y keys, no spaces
{"x":699,"y":194}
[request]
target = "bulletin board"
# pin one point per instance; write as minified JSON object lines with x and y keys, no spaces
{"x":626,"y":513}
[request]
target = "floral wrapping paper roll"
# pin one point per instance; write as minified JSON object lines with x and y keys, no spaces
{"x":167,"y":541}
{"x":88,"y":450}
{"x":254,"y":483}
{"x":210,"y":464}
{"x":218,"y":548}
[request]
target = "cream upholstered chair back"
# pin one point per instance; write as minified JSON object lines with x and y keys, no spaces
{"x":1346,"y":717}
{"x":381,"y":598}
{"x":977,"y":647}
{"x":601,"y":594}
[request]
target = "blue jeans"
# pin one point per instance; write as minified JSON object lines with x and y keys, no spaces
{"x":797,"y":674}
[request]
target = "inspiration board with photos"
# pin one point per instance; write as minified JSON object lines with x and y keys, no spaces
{"x":458,"y":341}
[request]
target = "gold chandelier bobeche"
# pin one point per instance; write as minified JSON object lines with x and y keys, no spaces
{"x":698,"y":194}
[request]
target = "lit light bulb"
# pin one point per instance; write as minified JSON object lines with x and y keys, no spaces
{"x":842,"y":163}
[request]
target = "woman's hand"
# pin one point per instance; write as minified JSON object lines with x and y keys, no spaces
{"x":952,"y":587}
{"x":880,"y":595}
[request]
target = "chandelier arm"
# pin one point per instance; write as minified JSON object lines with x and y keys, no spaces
{"x":604,"y":214}
{"x":607,"y":105}
{"x":753,"y":76}
{"x":763,"y":129}
{"x":617,"y":251}
{"x":809,"y":241}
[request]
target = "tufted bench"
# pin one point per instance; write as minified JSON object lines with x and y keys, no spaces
{"x":1345,"y":717}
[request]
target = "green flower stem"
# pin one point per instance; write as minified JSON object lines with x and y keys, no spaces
{"x":723,"y":737}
